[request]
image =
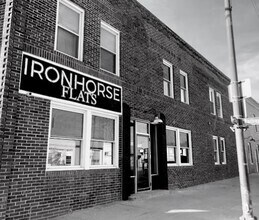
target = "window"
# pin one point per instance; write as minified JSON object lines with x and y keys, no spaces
{"x":82,"y":139}
{"x":69,"y":29}
{"x":184,"y":87}
{"x":223,"y":151}
{"x":212,"y":101}
{"x":250,"y":152}
{"x":216,"y":149}
{"x":219,"y":105}
{"x":168,"y":78}
{"x":179,"y":150}
{"x":109,"y":48}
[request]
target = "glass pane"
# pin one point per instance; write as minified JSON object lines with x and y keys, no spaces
{"x":183,"y":95}
{"x":184,"y":140}
{"x":66,"y":124}
{"x":103,"y":128}
{"x":64,"y":152}
{"x":68,"y":18}
{"x":142,"y":127}
{"x":171,"y":138}
{"x":215,"y":156}
{"x":167,"y":89}
{"x":182,"y":81}
{"x":215,"y":144}
{"x":184,"y":155}
{"x":108,"y":61}
{"x":108,"y":40}
{"x":101,"y":153}
{"x":171,"y":154}
{"x":166,"y":71}
{"x":67,"y":42}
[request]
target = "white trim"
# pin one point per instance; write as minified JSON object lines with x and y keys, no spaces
{"x":168,"y":64}
{"x":212,"y":99}
{"x":220,"y":113}
{"x":178,"y":147}
{"x":186,"y":89}
{"x":217,"y":149}
{"x":115,"y":32}
{"x":85,"y":163}
{"x":80,"y":35}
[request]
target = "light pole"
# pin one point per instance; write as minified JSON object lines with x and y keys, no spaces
{"x":237,"y":101}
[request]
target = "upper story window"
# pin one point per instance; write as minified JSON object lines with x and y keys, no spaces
{"x":212,"y":101}
{"x":250,"y":152}
{"x":168,"y":78}
{"x":109,"y":60}
{"x":184,"y":87}
{"x":216,"y":149}
{"x":82,"y":139}
{"x":219,"y":105}
{"x":179,"y":147}
{"x":69,"y":29}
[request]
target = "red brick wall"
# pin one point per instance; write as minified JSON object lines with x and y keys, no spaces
{"x":37,"y":194}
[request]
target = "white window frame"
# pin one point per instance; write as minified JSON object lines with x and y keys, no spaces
{"x":216,"y":150}
{"x":220,"y":113}
{"x":178,"y":153}
{"x":185,"y":89}
{"x":115,"y":32}
{"x":171,"y":82}
{"x":212,"y":99}
{"x":223,"y":150}
{"x":80,"y":35}
{"x":85,"y":146}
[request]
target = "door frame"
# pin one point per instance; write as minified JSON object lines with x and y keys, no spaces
{"x":136,"y":134}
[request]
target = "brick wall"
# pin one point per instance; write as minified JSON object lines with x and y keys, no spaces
{"x":31,"y":191}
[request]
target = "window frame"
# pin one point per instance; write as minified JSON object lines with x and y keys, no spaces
{"x":85,"y":161}
{"x":186,"y":90}
{"x":220,"y":112}
{"x":250,"y":152}
{"x":223,"y":152}
{"x":212,"y":100}
{"x":80,"y":35}
{"x":217,"y":162}
{"x":115,"y":32}
{"x":171,"y":82}
{"x":178,"y":147}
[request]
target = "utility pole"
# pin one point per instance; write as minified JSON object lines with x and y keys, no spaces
{"x":237,"y":101}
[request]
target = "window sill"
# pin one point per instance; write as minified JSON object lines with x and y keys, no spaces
{"x":102,"y":167}
{"x":63,"y":168}
{"x":179,"y":165}
{"x":107,"y":71}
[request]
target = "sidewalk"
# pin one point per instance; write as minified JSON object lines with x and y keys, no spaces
{"x":214,"y":201}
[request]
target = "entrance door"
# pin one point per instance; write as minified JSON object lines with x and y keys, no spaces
{"x":142,"y":156}
{"x":143,"y":163}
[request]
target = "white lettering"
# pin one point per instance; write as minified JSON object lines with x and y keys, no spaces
{"x":101,"y":90}
{"x":64,"y":76}
{"x":76,"y":83}
{"x":87,"y":86}
{"x":116,"y":93}
{"x":39,"y":72}
{"x":47,"y":74}
{"x":65,"y":90}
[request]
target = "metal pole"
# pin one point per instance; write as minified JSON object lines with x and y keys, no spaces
{"x":238,"y":113}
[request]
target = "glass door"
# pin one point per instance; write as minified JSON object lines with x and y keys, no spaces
{"x":143,"y":168}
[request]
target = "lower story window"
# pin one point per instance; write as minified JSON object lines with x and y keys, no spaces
{"x":82,"y":138}
{"x":179,"y":149}
{"x":219,"y":150}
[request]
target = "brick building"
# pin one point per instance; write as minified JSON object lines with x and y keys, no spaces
{"x":101,"y":100}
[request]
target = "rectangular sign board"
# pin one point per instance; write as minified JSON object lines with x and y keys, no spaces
{"x":49,"y":79}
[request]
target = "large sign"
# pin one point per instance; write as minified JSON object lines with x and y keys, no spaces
{"x":49,"y":79}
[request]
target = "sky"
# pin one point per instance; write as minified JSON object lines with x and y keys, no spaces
{"x":202,"y":24}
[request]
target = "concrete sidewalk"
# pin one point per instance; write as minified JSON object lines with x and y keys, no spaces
{"x":214,"y":201}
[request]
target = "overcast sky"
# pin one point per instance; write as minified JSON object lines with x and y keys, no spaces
{"x":201,"y":23}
